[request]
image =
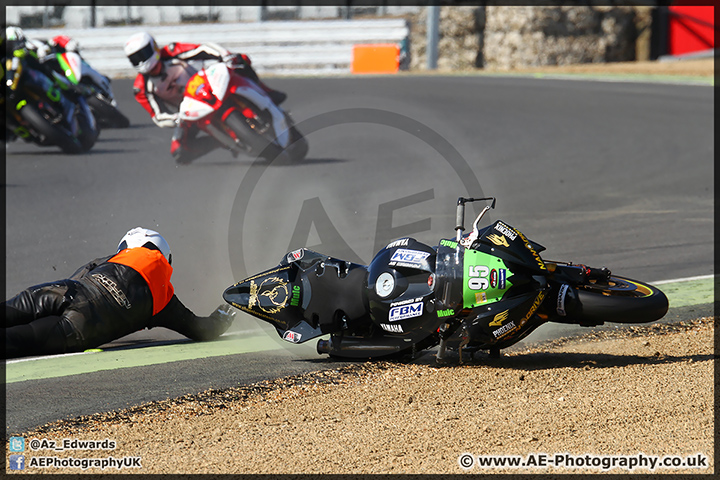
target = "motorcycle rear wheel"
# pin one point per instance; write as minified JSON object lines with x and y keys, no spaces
{"x":54,"y":134}
{"x":621,"y":300}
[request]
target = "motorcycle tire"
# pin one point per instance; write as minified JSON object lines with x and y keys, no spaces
{"x":106,"y":114}
{"x":621,"y":300}
{"x":54,"y":135}
{"x":298,"y":148}
{"x":257,"y":143}
{"x":88,"y":132}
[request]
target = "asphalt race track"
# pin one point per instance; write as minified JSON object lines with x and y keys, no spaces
{"x":615,"y":174}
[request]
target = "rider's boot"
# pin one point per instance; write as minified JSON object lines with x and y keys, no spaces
{"x":275,"y":95}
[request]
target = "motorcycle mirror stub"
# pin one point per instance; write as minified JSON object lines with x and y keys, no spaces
{"x":295,"y":255}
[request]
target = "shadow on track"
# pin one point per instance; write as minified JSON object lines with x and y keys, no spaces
{"x":585,"y":361}
{"x":251,"y":162}
{"x":94,"y":151}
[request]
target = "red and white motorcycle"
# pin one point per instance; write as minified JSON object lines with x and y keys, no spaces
{"x":239,"y":114}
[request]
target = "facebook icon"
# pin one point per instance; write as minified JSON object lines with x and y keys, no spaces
{"x":17,"y":462}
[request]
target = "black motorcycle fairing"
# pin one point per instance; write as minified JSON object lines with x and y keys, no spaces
{"x":309,"y":294}
{"x":503,"y":323}
{"x":508,"y":243}
{"x":337,"y":298}
{"x":459,"y":342}
{"x":512,"y":316}
{"x":338,"y":288}
{"x":400,"y":288}
{"x":271,"y":295}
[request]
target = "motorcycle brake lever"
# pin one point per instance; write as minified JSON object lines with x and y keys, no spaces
{"x":470,"y":239}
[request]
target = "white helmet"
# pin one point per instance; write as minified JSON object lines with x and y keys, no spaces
{"x":142,"y":51}
{"x":141,"y":237}
{"x":15,"y":37}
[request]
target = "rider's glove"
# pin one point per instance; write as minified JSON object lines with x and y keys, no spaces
{"x":234,"y":60}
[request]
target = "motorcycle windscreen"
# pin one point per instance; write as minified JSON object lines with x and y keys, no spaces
{"x":275,"y":296}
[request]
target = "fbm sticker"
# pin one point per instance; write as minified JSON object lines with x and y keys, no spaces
{"x":405,"y":311}
{"x":409,"y":256}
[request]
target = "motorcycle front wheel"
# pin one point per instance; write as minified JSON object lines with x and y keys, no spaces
{"x":621,"y":300}
{"x":54,"y":135}
{"x":298,"y":145}
{"x":88,"y":131}
{"x":256,"y":142}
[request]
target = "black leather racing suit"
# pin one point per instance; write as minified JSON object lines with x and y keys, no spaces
{"x":99,"y":303}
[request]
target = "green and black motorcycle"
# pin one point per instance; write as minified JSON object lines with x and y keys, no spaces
{"x":46,"y":111}
{"x":485,"y":290}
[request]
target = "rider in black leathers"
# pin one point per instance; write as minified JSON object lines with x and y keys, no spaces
{"x":104,"y":300}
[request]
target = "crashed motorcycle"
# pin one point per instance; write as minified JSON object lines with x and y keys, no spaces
{"x":94,"y":86}
{"x":240,"y":115}
{"x":485,"y":290}
{"x":47,"y":111}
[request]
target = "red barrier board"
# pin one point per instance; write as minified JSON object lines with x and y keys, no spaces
{"x":691,"y":29}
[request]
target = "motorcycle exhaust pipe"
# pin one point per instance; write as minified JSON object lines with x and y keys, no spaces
{"x":323,"y":346}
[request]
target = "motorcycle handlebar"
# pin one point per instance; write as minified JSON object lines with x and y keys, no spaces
{"x":460,"y":213}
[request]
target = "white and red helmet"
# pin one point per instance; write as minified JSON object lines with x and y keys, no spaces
{"x":65,"y":42}
{"x":143,"y":237}
{"x":143,"y":52}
